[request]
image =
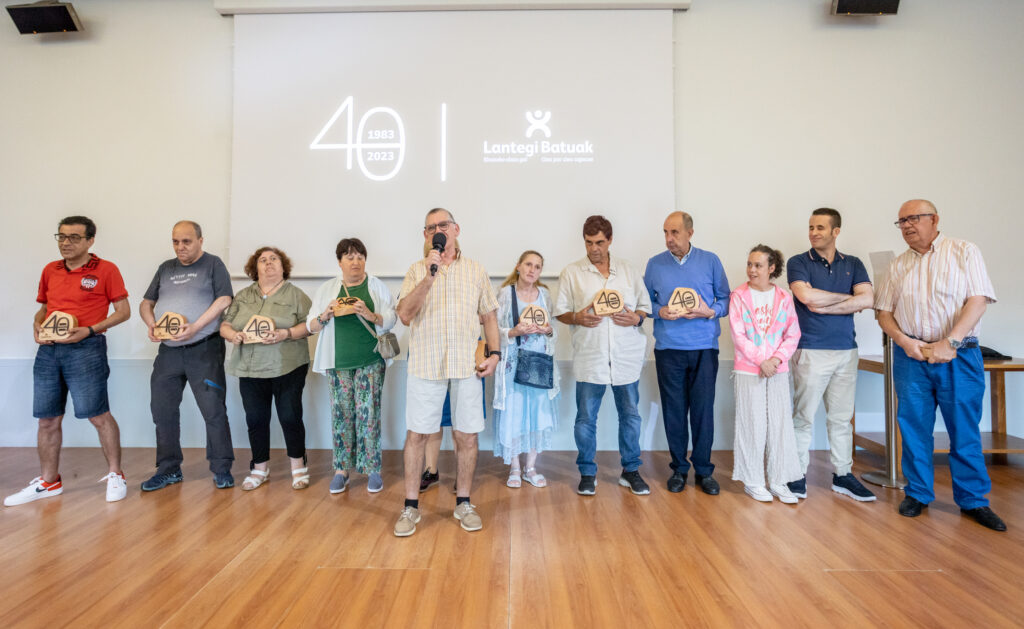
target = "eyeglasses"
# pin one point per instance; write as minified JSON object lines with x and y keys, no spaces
{"x":912,"y":219}
{"x":443,"y":226}
{"x":74,"y":238}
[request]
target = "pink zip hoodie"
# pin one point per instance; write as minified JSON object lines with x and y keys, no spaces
{"x":753,"y":348}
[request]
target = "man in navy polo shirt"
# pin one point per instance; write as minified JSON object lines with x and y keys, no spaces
{"x":686,"y":348}
{"x":829,"y":287}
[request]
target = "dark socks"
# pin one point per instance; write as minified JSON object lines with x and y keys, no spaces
{"x":415,"y":504}
{"x":459,"y":500}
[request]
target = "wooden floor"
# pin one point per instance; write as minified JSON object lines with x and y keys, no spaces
{"x":191,"y":555}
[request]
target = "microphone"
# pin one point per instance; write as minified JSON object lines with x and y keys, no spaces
{"x":439,"y":243}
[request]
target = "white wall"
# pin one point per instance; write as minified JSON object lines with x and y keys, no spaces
{"x":780,"y":109}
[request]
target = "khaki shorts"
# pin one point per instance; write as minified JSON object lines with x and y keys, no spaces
{"x":424,"y":402}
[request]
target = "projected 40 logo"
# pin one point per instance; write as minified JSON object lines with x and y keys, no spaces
{"x":378,"y":143}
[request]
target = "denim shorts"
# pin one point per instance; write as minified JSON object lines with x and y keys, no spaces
{"x":80,"y":368}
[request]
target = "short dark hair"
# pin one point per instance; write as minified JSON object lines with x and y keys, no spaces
{"x":597,"y":224}
{"x":350,"y":245}
{"x":837,"y":220}
{"x":90,"y":227}
{"x":774,"y":258}
{"x":252,"y":268}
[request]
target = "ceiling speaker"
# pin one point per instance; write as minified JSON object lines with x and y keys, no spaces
{"x":865,"y":7}
{"x":45,"y":17}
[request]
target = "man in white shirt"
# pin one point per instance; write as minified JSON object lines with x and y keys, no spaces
{"x":931,"y":305}
{"x":607,"y":350}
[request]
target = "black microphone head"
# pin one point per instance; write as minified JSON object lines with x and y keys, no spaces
{"x":440,"y":241}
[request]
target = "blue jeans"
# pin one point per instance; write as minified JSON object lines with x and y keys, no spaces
{"x":80,"y":368}
{"x":957,"y":388}
{"x":588,"y":403}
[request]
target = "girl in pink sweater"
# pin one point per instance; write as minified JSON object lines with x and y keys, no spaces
{"x":765,"y":333}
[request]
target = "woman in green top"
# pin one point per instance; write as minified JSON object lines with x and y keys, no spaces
{"x":346,"y":353}
{"x":273,"y":368}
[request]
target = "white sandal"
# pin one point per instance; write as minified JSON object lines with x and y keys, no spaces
{"x":536,"y":479}
{"x":255,"y":478}
{"x":515,"y":481}
{"x":300,"y":478}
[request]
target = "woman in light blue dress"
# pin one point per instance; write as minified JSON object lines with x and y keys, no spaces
{"x":524,"y":416}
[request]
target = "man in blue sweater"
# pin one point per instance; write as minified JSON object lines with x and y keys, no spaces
{"x":686,"y":348}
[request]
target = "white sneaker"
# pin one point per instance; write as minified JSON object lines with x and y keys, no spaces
{"x":117,"y":488}
{"x":758,"y":493}
{"x":783,"y":493}
{"x":37,"y":489}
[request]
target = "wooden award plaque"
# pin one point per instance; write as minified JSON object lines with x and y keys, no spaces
{"x":608,"y":302}
{"x":536,"y":315}
{"x":683,"y":300}
{"x":481,"y":353}
{"x":57,"y":326}
{"x":257,"y":329}
{"x":168,"y":326}
{"x":344,"y":306}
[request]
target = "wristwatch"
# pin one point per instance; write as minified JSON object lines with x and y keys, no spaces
{"x":490,"y":353}
{"x":954,"y":343}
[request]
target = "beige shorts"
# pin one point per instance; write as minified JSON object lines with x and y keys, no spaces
{"x":424,"y":403}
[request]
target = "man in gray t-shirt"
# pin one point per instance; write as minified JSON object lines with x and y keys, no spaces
{"x":197,"y":286}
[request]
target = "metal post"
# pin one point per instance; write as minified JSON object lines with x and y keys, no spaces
{"x":891,"y":476}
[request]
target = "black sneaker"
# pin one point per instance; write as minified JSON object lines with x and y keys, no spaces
{"x":799,"y":487}
{"x":848,"y":485}
{"x":588,"y":486}
{"x":224,"y":480}
{"x":635,"y":483}
{"x":428,"y":480}
{"x":159,"y":481}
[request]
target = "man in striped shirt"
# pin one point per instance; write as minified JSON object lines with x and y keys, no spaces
{"x":930,"y":306}
{"x":444,"y":298}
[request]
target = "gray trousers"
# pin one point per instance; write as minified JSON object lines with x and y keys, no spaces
{"x":202,"y":366}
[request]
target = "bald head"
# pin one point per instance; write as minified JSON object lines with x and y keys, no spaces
{"x":687,"y":220}
{"x":918,"y":206}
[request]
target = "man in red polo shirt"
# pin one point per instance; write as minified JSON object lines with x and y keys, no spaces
{"x":82,"y":285}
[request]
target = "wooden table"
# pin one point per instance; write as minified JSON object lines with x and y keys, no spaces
{"x":995,"y":442}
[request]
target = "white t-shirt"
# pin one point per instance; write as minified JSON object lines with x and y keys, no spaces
{"x":764,"y":302}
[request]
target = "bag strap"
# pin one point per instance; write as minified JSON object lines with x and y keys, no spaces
{"x":515,"y":314}
{"x":372,"y":331}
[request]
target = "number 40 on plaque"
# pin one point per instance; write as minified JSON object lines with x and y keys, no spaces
{"x":257,"y":329}
{"x":57,"y":326}
{"x":683,"y":300}
{"x":169,"y":326}
{"x":608,"y":301}
{"x":535,"y":315}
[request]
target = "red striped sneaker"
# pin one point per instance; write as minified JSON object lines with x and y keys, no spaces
{"x":37,"y":489}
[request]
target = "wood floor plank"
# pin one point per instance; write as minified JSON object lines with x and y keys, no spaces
{"x":191,"y":555}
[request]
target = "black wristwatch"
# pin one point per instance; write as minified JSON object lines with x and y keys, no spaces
{"x":490,"y":353}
